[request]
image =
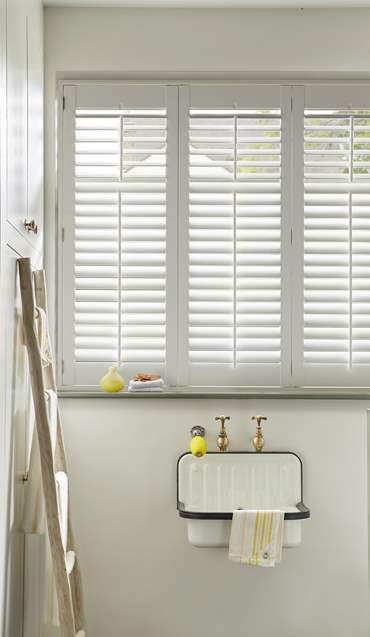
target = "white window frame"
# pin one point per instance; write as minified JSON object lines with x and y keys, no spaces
{"x":295,"y":97}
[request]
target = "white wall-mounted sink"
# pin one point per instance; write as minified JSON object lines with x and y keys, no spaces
{"x":210,"y":488}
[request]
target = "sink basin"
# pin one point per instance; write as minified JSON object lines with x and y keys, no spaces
{"x":210,"y":488}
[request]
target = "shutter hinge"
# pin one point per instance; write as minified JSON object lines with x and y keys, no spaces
{"x":63,"y":234}
{"x":64,"y":102}
{"x":291,"y":236}
{"x":291,"y":103}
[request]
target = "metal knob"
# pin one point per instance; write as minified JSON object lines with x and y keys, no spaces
{"x":197,"y":430}
{"x":222,"y":420}
{"x":30,"y":225}
{"x":259,"y":418}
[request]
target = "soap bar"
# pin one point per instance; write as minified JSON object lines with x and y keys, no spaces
{"x":198,"y":446}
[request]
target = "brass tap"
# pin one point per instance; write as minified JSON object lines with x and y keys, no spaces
{"x":258,"y":440}
{"x":222,"y":440}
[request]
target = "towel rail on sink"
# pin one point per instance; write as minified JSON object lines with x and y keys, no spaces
{"x":302,"y":513}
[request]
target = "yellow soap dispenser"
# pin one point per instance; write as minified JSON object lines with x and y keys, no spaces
{"x":198,"y":445}
{"x":112,"y":381}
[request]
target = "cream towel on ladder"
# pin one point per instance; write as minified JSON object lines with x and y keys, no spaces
{"x":61,"y":480}
{"x":51,"y":609}
{"x":43,"y":336}
{"x":256,"y":537}
{"x":34,"y":515}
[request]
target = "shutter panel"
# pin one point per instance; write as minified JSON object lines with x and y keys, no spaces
{"x":337,"y":247}
{"x":125,"y":157}
{"x":234,"y":246}
{"x":96,"y":283}
{"x":143,"y":239}
{"x":119,"y":241}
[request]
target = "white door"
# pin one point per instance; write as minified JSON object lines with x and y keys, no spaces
{"x":16,"y":182}
{"x":35,"y":98}
{"x":24,"y":126}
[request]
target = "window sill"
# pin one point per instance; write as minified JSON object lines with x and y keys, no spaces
{"x":337,"y":393}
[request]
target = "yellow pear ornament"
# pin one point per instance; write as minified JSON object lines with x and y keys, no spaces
{"x":112,"y":381}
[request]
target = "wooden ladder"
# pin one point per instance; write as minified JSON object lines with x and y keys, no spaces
{"x":68,"y":585}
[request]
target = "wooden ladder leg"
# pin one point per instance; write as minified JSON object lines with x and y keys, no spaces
{"x":66,"y":616}
{"x":61,"y":465}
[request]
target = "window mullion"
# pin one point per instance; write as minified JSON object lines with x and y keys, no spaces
{"x":235,"y":251}
{"x":183,"y":237}
{"x":286,"y":236}
{"x":350,"y":246}
{"x":172,"y":287}
{"x":119,"y":278}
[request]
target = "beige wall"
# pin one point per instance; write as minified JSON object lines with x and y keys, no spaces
{"x":143,"y":579}
{"x":208,"y":40}
{"x":141,"y":576}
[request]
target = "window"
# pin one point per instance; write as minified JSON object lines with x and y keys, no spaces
{"x":216,"y":234}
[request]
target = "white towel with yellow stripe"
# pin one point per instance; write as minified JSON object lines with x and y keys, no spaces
{"x":256,"y":537}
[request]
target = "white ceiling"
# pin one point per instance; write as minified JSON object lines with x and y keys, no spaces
{"x":225,"y":4}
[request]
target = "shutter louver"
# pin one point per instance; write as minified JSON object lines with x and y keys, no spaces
{"x":337,"y":243}
{"x":234,"y":241}
{"x":120,"y":236}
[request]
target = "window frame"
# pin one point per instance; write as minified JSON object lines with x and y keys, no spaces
{"x":292,"y":373}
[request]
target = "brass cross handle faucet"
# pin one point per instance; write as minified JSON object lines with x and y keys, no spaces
{"x":258,"y":440}
{"x":222,"y":440}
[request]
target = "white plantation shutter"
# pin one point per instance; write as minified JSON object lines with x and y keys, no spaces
{"x":336,"y":349}
{"x":218,"y":235}
{"x":234,"y":207}
{"x":120,"y":224}
{"x":117,"y":239}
